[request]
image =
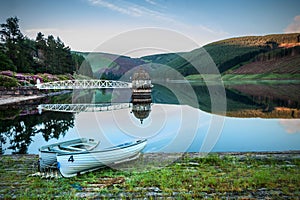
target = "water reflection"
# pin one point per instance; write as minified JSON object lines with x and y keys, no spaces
{"x":272,"y":95}
{"x":265,"y":98}
{"x":169,"y":128}
{"x":290,"y":126}
{"x":18,"y":133}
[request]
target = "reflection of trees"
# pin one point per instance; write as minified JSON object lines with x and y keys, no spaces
{"x":56,"y":123}
{"x":21,"y":130}
{"x":9,"y":114}
{"x":2,"y":141}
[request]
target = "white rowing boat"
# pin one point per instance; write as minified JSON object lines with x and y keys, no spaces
{"x":47,"y":153}
{"x":73,"y":163}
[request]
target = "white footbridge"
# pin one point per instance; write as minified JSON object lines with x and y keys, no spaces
{"x":83,"y":84}
{"x":76,"y":108}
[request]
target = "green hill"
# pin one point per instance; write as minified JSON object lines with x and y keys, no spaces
{"x":231,"y":54}
{"x":274,"y":56}
{"x":110,"y":66}
{"x":99,"y":60}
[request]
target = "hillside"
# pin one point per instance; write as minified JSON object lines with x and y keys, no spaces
{"x":256,"y":54}
{"x":274,"y":56}
{"x":110,"y":66}
{"x":278,"y":61}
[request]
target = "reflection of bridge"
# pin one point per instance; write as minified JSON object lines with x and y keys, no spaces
{"x":84,"y":84}
{"x":84,"y":107}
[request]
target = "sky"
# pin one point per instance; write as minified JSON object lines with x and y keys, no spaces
{"x":84,"y":25}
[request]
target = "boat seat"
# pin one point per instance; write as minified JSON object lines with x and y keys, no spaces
{"x":87,"y":147}
{"x":68,"y":148}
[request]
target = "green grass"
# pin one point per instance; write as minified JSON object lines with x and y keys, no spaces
{"x":258,"y":77}
{"x":245,"y":77}
{"x":206,"y":177}
{"x":199,"y":77}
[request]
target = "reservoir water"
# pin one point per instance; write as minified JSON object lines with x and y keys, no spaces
{"x":169,"y":127}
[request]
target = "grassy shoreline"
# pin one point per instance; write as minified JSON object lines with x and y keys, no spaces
{"x":247,"y":78}
{"x":248,"y":175}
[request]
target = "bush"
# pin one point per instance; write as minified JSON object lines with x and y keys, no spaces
{"x":8,"y":81}
{"x":7,"y":73}
{"x":63,"y":77}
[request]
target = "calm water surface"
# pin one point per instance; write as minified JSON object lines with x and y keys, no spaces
{"x":168,"y":128}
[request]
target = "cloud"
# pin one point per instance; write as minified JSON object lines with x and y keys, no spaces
{"x":291,"y":126}
{"x":212,"y":31}
{"x":128,"y":8}
{"x":115,"y":7}
{"x":151,"y":2}
{"x":134,"y":10}
{"x":294,"y":26}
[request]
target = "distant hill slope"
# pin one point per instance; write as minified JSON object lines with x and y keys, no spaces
{"x":230,"y":54}
{"x":281,"y":65}
{"x":235,"y":57}
{"x":110,"y":66}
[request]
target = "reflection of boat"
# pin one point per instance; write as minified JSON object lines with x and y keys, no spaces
{"x":73,"y":163}
{"x":48,"y":152}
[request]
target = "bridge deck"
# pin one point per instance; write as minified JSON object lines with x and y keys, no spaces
{"x":84,"y":84}
{"x":84,"y":107}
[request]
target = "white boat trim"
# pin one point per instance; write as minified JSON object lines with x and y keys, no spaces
{"x":47,"y":153}
{"x":70,"y":164}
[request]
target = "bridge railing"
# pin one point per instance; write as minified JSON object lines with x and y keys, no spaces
{"x":75,"y":108}
{"x":84,"y":84}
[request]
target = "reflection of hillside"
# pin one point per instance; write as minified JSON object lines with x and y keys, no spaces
{"x":285,"y":95}
{"x":269,"y":101}
{"x":266,"y":101}
{"x":277,"y":112}
{"x":234,"y":101}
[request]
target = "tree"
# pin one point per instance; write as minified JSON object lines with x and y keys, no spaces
{"x":19,"y":53}
{"x":82,"y":66}
{"x":26,"y":52}
{"x":10,"y":35}
{"x":16,"y":46}
{"x":77,"y":60}
{"x":58,"y":58}
{"x":41,"y":45}
{"x":5,"y":61}
{"x":10,"y":31}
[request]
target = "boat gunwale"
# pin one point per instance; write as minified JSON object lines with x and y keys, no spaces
{"x":137,"y":142}
{"x":46,"y":148}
